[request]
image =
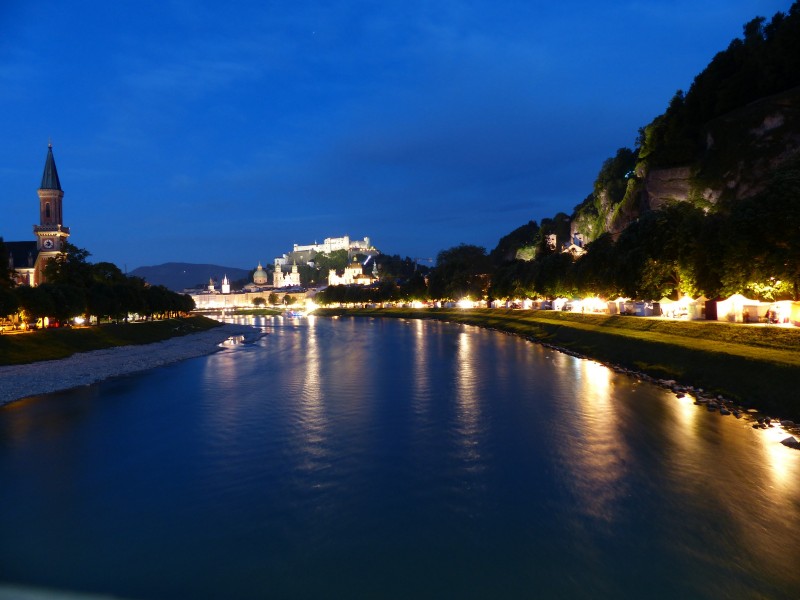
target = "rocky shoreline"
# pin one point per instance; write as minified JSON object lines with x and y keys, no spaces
{"x":712,"y":403}
{"x":84,"y":368}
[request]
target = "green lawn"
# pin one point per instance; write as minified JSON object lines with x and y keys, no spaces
{"x":755,"y":365}
{"x":51,"y":344}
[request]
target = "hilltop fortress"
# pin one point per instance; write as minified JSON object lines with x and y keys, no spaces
{"x":303,"y":254}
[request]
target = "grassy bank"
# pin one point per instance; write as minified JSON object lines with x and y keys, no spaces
{"x":756,"y":366}
{"x":52,"y":344}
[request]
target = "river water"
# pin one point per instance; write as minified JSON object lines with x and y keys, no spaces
{"x":356,"y":458}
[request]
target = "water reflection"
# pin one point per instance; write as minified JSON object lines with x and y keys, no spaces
{"x":596,"y":453}
{"x":299,"y":465}
{"x":225,"y":405}
{"x":780,"y":462}
{"x":686,"y":414}
{"x":467,"y":399}
{"x":420,"y":374}
{"x":774,"y":504}
{"x":312,"y":420}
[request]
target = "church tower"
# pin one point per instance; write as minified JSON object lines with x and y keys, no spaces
{"x":51,"y":235}
{"x":293,"y":278}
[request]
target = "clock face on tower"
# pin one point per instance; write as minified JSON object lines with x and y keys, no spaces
{"x":47,"y":244}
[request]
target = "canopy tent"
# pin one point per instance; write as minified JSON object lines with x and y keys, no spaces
{"x":739,"y":309}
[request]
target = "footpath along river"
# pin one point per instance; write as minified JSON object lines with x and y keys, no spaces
{"x":371,"y":458}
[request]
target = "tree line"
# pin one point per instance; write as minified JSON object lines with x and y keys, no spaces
{"x":751,"y":247}
{"x":764,"y":61}
{"x":75,"y":287}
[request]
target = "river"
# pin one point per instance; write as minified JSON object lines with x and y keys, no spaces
{"x":371,"y":458}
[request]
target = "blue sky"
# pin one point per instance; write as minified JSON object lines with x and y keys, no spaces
{"x":223,"y":132}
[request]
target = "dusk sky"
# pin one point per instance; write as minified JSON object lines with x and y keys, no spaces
{"x":224,"y":132}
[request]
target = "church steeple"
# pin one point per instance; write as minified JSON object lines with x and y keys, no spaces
{"x":50,"y":176}
{"x":50,"y":197}
{"x":51,"y":234}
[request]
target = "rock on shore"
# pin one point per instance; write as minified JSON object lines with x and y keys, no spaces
{"x":84,"y":368}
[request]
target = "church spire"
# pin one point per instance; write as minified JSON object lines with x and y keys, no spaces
{"x":50,"y":177}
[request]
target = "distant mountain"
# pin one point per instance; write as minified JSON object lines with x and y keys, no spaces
{"x":179,"y":276}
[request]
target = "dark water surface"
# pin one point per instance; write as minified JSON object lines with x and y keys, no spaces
{"x":392,"y":459}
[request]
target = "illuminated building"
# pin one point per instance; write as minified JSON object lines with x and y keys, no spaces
{"x":304,"y":254}
{"x":27,"y":259}
{"x":353,"y":274}
{"x":260,"y":277}
{"x":282,"y":280}
{"x":334,"y":244}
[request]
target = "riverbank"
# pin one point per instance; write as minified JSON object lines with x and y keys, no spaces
{"x":19,"y":381}
{"x":754,"y":367}
{"x":52,"y":344}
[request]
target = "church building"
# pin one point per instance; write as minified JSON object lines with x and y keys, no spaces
{"x":27,"y":259}
{"x":282,"y":280}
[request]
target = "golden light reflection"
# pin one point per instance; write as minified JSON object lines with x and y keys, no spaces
{"x":598,"y":378}
{"x":421,"y":374}
{"x":466,"y":370}
{"x":683,"y":423}
{"x":597,"y":452}
{"x":685,"y":413}
{"x":467,"y":397}
{"x":782,"y":463}
{"x":312,"y":411}
{"x":756,"y":482}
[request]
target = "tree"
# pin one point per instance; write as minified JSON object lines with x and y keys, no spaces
{"x":273,"y":299}
{"x":761,"y":237}
{"x":65,"y":301}
{"x":5,"y":273}
{"x":508,"y":246}
{"x":612,"y":180}
{"x":554,"y":275}
{"x":460,"y":271}
{"x":594,"y":270}
{"x":102,"y":302}
{"x":514,"y":280}
{"x":69,"y":266}
{"x":710,"y":255}
{"x":35,"y":303}
{"x":336,"y":260}
{"x":656,"y":255}
{"x":259,"y":301}
{"x":394,"y":267}
{"x":414,"y":288}
{"x":8,"y":302}
{"x":107,"y":272}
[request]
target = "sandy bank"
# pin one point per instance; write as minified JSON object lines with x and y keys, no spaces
{"x":84,"y":368}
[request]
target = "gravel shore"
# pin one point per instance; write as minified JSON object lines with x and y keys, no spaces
{"x":84,"y":368}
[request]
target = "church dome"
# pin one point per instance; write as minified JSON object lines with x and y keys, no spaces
{"x":260,"y":276}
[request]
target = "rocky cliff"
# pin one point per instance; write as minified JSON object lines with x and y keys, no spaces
{"x":742,"y":148}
